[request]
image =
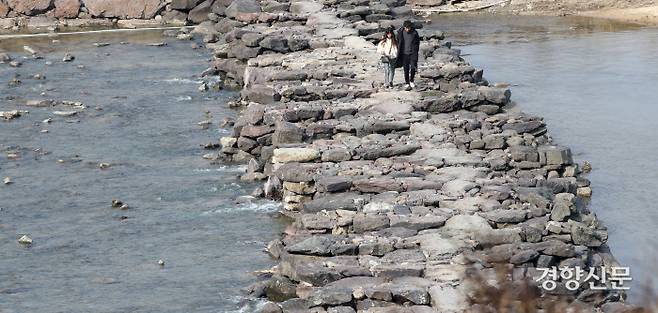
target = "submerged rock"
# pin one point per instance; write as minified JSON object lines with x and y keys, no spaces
{"x":25,"y":239}
{"x":68,"y":57}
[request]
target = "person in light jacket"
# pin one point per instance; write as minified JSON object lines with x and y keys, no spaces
{"x":388,"y":48}
{"x":408,"y":47}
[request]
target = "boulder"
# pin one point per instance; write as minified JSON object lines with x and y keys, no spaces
{"x":426,"y":130}
{"x":331,"y":297}
{"x":184,"y":4}
{"x":270,"y":307}
{"x":336,"y":155}
{"x":587,"y":236}
{"x":556,"y":248}
{"x":339,"y":201}
{"x":252,"y":39}
{"x":279,"y":288}
{"x":239,"y":50}
{"x":175,"y":17}
{"x":285,"y":133}
{"x":469,"y":223}
{"x":305,"y":7}
{"x":417,"y":222}
{"x":287,"y":155}
{"x":563,"y":206}
{"x":246,"y":144}
{"x":524,"y":256}
{"x":314,"y":245}
{"x":200,"y":12}
{"x":4,"y":10}
{"x":451,"y":299}
{"x":554,"y":155}
{"x":243,"y":6}
{"x":378,"y":185}
{"x":333,"y":183}
{"x":443,"y":104}
{"x":260,"y":94}
{"x":369,"y":222}
{"x":298,"y":43}
{"x":314,"y":221}
{"x":252,"y":131}
{"x":296,"y":172}
{"x":29,"y":7}
{"x":275,"y":43}
{"x":505,"y":216}
{"x":410,"y":293}
{"x":67,"y":8}
{"x":124,"y":9}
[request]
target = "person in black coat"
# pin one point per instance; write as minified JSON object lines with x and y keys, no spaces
{"x":408,"y":47}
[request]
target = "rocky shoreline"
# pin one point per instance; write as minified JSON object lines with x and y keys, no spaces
{"x":53,"y":14}
{"x":401,"y":201}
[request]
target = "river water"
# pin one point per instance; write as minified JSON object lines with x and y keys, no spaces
{"x":594,"y":82}
{"x":142,"y":111}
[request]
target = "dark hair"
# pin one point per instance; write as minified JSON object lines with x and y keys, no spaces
{"x":392,"y":32}
{"x":408,"y":24}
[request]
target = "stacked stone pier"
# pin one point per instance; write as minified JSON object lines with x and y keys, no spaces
{"x":400,"y":201}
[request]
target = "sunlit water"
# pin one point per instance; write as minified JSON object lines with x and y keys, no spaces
{"x":142,"y":111}
{"x":595,"y":82}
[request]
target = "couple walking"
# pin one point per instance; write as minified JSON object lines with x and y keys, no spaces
{"x":400,"y":51}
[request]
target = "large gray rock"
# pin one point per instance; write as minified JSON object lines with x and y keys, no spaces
{"x":331,"y":297}
{"x":125,"y":9}
{"x":184,"y":4}
{"x":426,"y":130}
{"x":67,"y":8}
{"x":4,"y":8}
{"x":285,"y":133}
{"x":333,"y":183}
{"x":469,"y":223}
{"x":369,"y":222}
{"x":556,"y":248}
{"x":378,"y":185}
{"x":275,"y":43}
{"x":505,"y":216}
{"x":242,"y":6}
{"x":336,"y":155}
{"x":443,"y":104}
{"x":29,"y":7}
{"x":200,"y":12}
{"x":296,"y":172}
{"x":287,"y":155}
{"x":554,"y":155}
{"x":260,"y":94}
{"x":587,"y":236}
{"x":451,"y":299}
{"x":305,"y":7}
{"x":252,"y":131}
{"x":417,"y":222}
{"x":314,"y":245}
{"x":410,"y":293}
{"x":279,"y":288}
{"x":338,"y":201}
{"x":563,"y":206}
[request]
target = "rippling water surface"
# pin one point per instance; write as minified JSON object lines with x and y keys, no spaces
{"x":141,"y":117}
{"x":595,"y":82}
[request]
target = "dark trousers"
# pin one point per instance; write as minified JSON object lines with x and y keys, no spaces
{"x":409,"y":65}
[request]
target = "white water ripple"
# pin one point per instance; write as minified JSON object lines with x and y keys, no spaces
{"x":258,"y":207}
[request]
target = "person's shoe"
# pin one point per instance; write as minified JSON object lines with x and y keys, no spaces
{"x":407,"y":87}
{"x":412,"y":85}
